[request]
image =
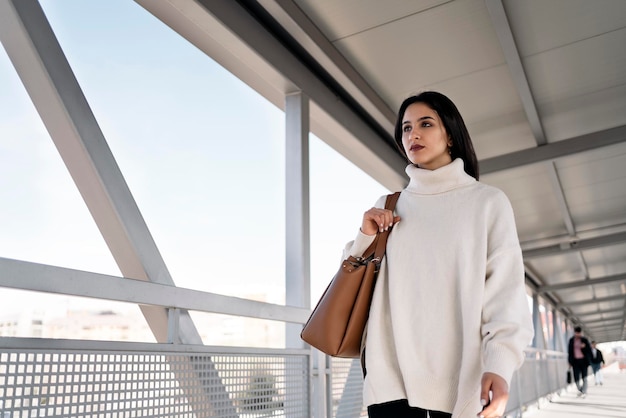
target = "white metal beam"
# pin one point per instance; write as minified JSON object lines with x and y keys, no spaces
{"x":554,"y":150}
{"x":514,"y":62}
{"x":580,"y":283}
{"x":588,"y":301}
{"x":25,"y":275}
{"x":292,"y":19}
{"x":297,"y":242}
{"x":576,"y":245}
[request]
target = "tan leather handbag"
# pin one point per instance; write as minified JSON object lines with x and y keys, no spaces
{"x":337,"y":323}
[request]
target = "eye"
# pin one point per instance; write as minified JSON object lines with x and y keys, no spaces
{"x":426,"y":124}
{"x":406,"y":128}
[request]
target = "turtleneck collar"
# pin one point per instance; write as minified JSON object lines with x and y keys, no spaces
{"x":441,"y":180}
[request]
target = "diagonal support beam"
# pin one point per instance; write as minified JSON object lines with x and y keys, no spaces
{"x":49,"y":80}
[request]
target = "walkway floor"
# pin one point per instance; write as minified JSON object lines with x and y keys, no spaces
{"x":606,"y":401}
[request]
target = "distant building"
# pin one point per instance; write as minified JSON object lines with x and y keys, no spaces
{"x":110,"y":325}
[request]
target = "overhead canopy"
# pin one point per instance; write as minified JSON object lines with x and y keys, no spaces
{"x":541,"y":85}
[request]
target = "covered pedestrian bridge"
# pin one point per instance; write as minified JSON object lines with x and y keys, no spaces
{"x":540,"y":83}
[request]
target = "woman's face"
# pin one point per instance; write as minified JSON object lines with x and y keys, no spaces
{"x":424,"y":137}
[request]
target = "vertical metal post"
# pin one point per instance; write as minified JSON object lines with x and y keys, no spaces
{"x":321,"y":407}
{"x":298,"y":282}
{"x":297,"y":220}
{"x":173,"y":318}
{"x":539,"y":339}
{"x":553,"y":338}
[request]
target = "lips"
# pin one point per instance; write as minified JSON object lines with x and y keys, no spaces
{"x":416,"y":147}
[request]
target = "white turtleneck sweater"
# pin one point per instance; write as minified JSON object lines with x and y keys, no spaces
{"x":450,"y":301}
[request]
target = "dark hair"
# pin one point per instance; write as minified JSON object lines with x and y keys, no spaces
{"x":453,"y":123}
{"x":578,"y":329}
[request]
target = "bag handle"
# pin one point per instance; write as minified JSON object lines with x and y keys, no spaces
{"x":380,"y":242}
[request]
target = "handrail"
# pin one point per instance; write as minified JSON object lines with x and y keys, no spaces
{"x":25,"y":275}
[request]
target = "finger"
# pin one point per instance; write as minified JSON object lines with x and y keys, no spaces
{"x":384,"y":219}
{"x":484,"y":391}
{"x":494,"y":409}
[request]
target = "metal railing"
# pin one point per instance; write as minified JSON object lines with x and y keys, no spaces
{"x":76,"y":378}
{"x":73,"y":378}
{"x":542,"y":374}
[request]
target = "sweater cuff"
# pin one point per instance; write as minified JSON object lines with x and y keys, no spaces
{"x":360,"y":244}
{"x":502,"y":362}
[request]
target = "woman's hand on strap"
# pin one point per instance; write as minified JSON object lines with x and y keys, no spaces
{"x":378,"y":220}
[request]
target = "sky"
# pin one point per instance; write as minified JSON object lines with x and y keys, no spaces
{"x":202,"y":153}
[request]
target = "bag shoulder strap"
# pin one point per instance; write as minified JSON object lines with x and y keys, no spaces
{"x":377,"y":248}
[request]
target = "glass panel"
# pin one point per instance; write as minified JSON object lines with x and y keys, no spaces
{"x":201,"y":152}
{"x":335,"y":214}
{"x":43,"y":218}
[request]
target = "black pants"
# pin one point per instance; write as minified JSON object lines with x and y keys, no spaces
{"x":401,"y":409}
{"x":580,"y":367}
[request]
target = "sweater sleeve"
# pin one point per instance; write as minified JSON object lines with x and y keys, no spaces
{"x":357,"y":247}
{"x":506,"y":320}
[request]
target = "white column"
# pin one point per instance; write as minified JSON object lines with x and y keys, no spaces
{"x":297,"y":240}
{"x":297,"y":274}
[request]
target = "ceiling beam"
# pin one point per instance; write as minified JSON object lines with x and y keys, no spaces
{"x":613,"y":325}
{"x":580,"y":283}
{"x":514,"y":62}
{"x":576,"y":245}
{"x":603,"y":321}
{"x":554,"y":150}
{"x":601,"y":312}
{"x":588,"y":301}
{"x":312,"y":42}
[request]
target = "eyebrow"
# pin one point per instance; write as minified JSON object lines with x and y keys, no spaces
{"x":422,"y":118}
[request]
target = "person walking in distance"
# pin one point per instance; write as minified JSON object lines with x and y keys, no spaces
{"x":579,"y":356}
{"x":597,"y":360}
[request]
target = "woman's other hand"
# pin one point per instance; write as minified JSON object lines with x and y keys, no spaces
{"x":499,"y":389}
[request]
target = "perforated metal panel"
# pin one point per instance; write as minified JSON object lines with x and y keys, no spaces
{"x":347,"y":388}
{"x":40,"y":383}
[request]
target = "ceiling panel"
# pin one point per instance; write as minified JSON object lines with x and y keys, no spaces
{"x":425,"y":48}
{"x":573,"y":116}
{"x":577,"y":69}
{"x":606,"y":261}
{"x":340,"y":19}
{"x":541,"y":25}
{"x":558,"y":269}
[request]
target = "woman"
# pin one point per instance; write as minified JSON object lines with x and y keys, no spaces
{"x":449,"y":318}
